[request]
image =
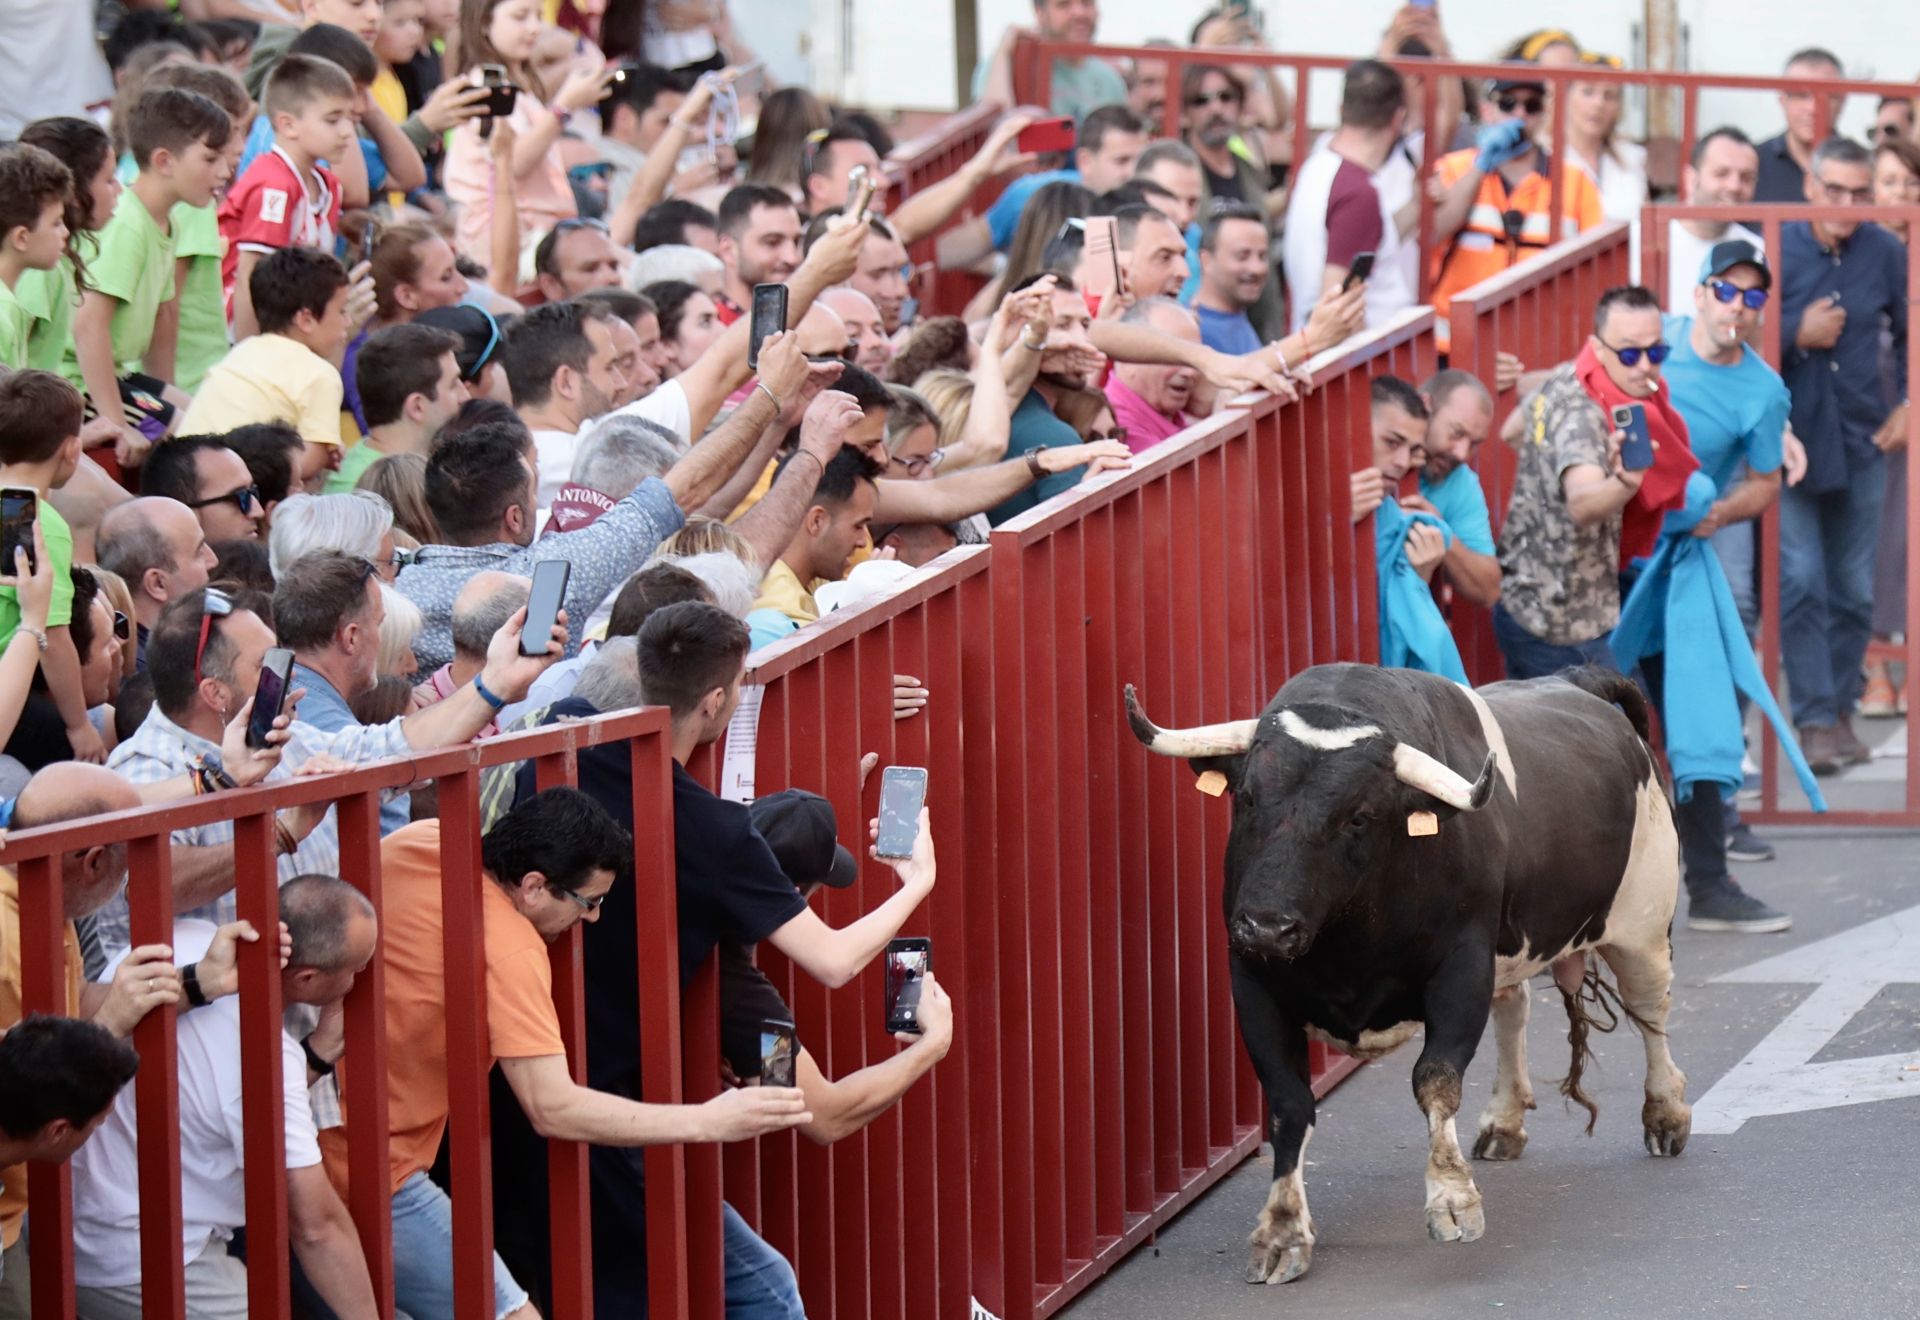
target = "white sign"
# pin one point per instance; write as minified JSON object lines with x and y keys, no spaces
{"x":1778,"y":1076}
{"x":736,"y":761}
{"x":980,"y":1312}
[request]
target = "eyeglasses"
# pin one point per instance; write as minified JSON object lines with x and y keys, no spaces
{"x":913,"y":467}
{"x":1755,"y":299}
{"x":399,"y":559}
{"x":1532,"y":103}
{"x":1841,"y":195}
{"x":246,"y":497}
{"x":214,"y":604}
{"x":1630,"y":356}
{"x":122,"y":626}
{"x":1224,"y":96}
{"x":586,"y":904}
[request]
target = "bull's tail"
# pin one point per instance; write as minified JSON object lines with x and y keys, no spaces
{"x":1597,"y":1006}
{"x":1618,"y":690}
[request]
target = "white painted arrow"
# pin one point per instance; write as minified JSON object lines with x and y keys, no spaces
{"x":1777,"y":1077}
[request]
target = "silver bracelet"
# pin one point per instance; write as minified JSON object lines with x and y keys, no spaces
{"x":761,"y":385}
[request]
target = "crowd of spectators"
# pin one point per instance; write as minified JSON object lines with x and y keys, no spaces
{"x":314,"y":341}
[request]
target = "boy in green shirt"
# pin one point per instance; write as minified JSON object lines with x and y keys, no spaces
{"x":39,"y":450}
{"x":33,"y":235}
{"x":128,"y":321}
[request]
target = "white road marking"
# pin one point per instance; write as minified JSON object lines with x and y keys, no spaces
{"x":1777,"y":1076}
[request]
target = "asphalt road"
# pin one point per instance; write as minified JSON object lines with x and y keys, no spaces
{"x":1813,"y":1212}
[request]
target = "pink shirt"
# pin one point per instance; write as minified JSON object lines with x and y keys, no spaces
{"x":1146,"y":425}
{"x":543,"y":196}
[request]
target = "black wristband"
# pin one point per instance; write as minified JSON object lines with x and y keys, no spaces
{"x":190,"y":982}
{"x":314,"y":1061}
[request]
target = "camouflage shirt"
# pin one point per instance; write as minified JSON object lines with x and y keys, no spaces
{"x":1558,"y":581}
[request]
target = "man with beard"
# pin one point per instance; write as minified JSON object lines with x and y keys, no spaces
{"x":1233,"y":273}
{"x":562,"y":363}
{"x":867,"y":343}
{"x":1068,"y":361}
{"x":1723,"y":172}
{"x":759,"y":244}
{"x":1150,"y":401}
{"x":1213,"y":102}
{"x":1459,"y":419}
{"x":1077,"y":86}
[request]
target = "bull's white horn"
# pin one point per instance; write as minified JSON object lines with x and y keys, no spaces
{"x":1415,"y":767}
{"x":1229,"y":739}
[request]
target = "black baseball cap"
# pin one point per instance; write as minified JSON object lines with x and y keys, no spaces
{"x":1515,"y":84}
{"x":799,"y":827}
{"x":479,"y":335}
{"x":1728,"y":253}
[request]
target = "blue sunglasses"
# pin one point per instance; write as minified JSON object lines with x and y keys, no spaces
{"x":1630,"y":357}
{"x":1755,"y":299}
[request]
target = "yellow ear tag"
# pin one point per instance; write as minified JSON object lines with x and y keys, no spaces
{"x":1422,"y":823}
{"x":1212,"y":783}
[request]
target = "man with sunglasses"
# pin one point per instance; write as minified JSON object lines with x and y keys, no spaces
{"x":1498,"y":207}
{"x":209,"y":478}
{"x":1842,"y":307}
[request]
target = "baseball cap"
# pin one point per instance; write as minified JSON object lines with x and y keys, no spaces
{"x":1728,"y":253}
{"x":479,"y":335}
{"x":799,"y":827}
{"x":1515,"y":84}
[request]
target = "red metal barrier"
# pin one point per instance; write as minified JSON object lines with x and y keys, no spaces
{"x":684,"y":1252}
{"x":921,"y":162}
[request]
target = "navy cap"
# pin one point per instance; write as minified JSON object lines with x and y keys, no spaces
{"x":799,"y":827}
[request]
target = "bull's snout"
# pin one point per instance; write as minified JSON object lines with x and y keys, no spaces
{"x":1269,"y":934}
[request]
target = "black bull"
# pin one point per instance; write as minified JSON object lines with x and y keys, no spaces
{"x":1371,"y":888}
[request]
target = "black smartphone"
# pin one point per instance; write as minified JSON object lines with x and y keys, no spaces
{"x":1359,"y":272}
{"x":19,"y":508}
{"x":620,"y":75}
{"x":270,"y":694}
{"x":543,"y":604}
{"x":779,"y":1055}
{"x":908,"y":962}
{"x":501,"y":91}
{"x":1636,"y":451}
{"x":769,"y":318}
{"x":903,"y":788}
{"x":368,"y":237}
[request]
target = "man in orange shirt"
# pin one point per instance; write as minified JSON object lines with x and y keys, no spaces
{"x":547,"y":864}
{"x":1497,"y":210}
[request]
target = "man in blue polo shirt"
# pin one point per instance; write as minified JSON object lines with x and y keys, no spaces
{"x":1110,"y":141}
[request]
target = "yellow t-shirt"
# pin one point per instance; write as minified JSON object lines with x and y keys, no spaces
{"x":269,"y":378}
{"x":782,"y":590}
{"x":13,"y":1179}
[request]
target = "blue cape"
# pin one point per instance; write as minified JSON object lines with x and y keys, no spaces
{"x":1412,"y":633}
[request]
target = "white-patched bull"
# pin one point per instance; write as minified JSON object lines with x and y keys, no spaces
{"x":1372,"y":888}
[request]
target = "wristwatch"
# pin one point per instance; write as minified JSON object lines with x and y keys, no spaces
{"x":314,"y":1061}
{"x":1033,"y":464}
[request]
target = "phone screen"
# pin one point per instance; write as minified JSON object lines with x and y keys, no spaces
{"x":908,"y":961}
{"x":903,"y":788}
{"x":276,"y":668}
{"x":543,"y":604}
{"x":769,"y":318}
{"x":778,"y":1054}
{"x":1636,"y":451}
{"x":19,"y":508}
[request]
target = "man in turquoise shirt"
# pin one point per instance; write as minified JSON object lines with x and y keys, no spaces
{"x":1459,"y":418}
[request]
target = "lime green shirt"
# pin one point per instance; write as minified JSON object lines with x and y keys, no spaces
{"x":203,"y":307}
{"x":48,"y":299}
{"x":59,"y":538}
{"x":135,"y":267}
{"x":15,"y":324}
{"x":353,"y":465}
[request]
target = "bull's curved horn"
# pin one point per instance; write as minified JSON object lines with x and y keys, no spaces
{"x":1230,"y":739}
{"x":1415,"y":767}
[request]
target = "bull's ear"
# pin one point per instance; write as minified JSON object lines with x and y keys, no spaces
{"x":1215,"y":775}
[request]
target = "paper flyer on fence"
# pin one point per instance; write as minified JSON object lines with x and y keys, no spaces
{"x":736,"y":762}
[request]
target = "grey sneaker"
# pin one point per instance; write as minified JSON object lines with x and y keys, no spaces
{"x":1734,"y":910}
{"x":1743,"y":845}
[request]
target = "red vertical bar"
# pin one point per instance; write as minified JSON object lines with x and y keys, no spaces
{"x":1044,"y":572}
{"x":1689,"y":132}
{"x":363,"y":1078}
{"x":1430,"y":152}
{"x":1071,"y":805}
{"x":871,"y":1283}
{"x":43,"y":989}
{"x":1557,"y":155}
{"x":263,"y":1092}
{"x":469,"y":1056}
{"x":1216,"y":640}
{"x":163,"y":1281}
{"x":1245,"y":696}
{"x":1189,"y":691}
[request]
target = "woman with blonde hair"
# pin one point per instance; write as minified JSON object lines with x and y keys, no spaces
{"x":401,"y":480}
{"x":114,"y":588}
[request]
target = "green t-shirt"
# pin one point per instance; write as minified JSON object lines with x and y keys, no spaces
{"x":203,"y":307}
{"x":353,"y":465}
{"x":135,"y":266}
{"x":15,"y":324}
{"x":48,"y":299}
{"x":59,"y":538}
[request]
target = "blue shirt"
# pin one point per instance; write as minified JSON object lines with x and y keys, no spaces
{"x":1837,"y":396}
{"x":1003,"y":217}
{"x":1734,"y":413}
{"x":1462,"y":505}
{"x":1227,"y":332}
{"x":1035,"y":427}
{"x":325,"y":709}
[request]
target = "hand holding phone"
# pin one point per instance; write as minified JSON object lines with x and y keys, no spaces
{"x":903,"y":791}
{"x":1636,"y":450}
{"x":19,"y":510}
{"x":769,"y":318}
{"x":907,"y":963}
{"x":1044,"y":136}
{"x":1358,"y":273}
{"x":270,"y":695}
{"x":860,"y":190}
{"x":779,"y":1054}
{"x":544,"y":601}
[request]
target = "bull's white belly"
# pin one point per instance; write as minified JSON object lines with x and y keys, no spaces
{"x":1372,"y":1044}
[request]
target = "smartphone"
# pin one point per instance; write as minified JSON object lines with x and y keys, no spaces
{"x":368,"y":237}
{"x":1359,"y":272}
{"x":1047,"y":135}
{"x":769,"y":318}
{"x":778,"y":1054}
{"x":860,"y":187}
{"x":501,"y":91}
{"x":620,"y":75}
{"x":543,"y":604}
{"x":908,"y":962}
{"x":19,"y":508}
{"x":903,"y":788}
{"x":270,"y":694}
{"x":1636,"y":451}
{"x":1102,"y":266}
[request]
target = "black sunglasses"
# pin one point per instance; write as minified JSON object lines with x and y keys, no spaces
{"x":1630,"y":355}
{"x":1755,"y":299}
{"x":246,"y":497}
{"x":1532,"y":103}
{"x":1224,"y":96}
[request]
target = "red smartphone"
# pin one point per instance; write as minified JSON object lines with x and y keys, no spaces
{"x":1046,"y":135}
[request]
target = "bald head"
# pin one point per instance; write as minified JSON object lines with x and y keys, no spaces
{"x":1168,"y":389}
{"x":866,"y":331}
{"x":157,"y":546}
{"x":71,"y":790}
{"x":482,"y":609}
{"x":822,"y":332}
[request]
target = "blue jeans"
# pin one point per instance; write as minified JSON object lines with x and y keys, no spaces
{"x":1529,"y":657}
{"x":1827,"y":543}
{"x":760,"y":1283}
{"x":423,"y":1256}
{"x":1738,"y":546}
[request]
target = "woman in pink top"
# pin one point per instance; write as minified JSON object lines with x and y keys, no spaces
{"x":504,"y":32}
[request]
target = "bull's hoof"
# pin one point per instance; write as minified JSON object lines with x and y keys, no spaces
{"x":1462,"y":1223}
{"x":1278,"y":1262}
{"x":1500,"y":1143}
{"x":1667,"y":1125}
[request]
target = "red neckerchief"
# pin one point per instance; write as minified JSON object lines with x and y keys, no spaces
{"x":1665,"y":485}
